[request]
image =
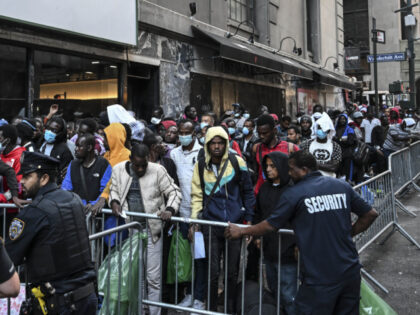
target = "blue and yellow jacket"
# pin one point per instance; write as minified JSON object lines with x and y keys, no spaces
{"x":230,"y":202}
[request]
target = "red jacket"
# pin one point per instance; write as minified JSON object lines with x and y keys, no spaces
{"x":13,"y":159}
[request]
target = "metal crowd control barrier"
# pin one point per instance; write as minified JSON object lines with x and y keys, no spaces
{"x":143,"y":300}
{"x":405,"y":167}
{"x":378,"y":192}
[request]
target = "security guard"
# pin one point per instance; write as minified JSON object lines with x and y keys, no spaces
{"x":51,"y":238}
{"x":319,"y":208}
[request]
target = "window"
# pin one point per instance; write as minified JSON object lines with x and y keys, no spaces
{"x":241,"y":10}
{"x":79,"y":85}
{"x":313,"y":29}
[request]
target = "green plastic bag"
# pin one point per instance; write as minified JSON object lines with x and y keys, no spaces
{"x":184,"y":260}
{"x":129,"y":292}
{"x":371,"y":303}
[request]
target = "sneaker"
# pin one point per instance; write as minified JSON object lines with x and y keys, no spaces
{"x":198,"y":305}
{"x":187,"y":301}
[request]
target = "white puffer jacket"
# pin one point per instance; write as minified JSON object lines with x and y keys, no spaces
{"x":156,"y":185}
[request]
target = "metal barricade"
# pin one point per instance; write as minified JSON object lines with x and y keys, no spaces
{"x":415,"y":163}
{"x":405,"y":167}
{"x":208,"y":227}
{"x":378,"y":192}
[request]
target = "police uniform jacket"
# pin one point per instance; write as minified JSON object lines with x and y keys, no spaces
{"x":50,"y":236}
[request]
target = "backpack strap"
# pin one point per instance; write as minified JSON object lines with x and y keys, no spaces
{"x":234,"y":161}
{"x":201,"y":166}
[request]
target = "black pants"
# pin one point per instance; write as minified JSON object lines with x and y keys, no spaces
{"x":86,"y":306}
{"x":342,"y":298}
{"x":214,"y":258}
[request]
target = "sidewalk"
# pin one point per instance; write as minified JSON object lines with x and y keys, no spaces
{"x":396,"y":264}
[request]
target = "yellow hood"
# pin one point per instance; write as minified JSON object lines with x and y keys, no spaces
{"x":116,"y":136}
{"x":214,"y":132}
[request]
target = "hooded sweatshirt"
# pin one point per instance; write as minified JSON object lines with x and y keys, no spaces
{"x":268,"y":198}
{"x":231,"y":201}
{"x":116,"y":136}
{"x":398,"y":120}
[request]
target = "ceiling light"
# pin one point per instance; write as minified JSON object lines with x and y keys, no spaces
{"x":95,"y":62}
{"x":88,"y":72}
{"x":113,"y":67}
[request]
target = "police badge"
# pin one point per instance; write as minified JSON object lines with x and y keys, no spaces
{"x":16,"y":228}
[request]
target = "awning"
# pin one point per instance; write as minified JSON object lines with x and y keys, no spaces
{"x":233,"y":49}
{"x":331,"y":78}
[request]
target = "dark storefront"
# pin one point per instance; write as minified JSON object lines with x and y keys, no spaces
{"x":82,"y":86}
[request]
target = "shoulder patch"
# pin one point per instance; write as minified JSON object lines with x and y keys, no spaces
{"x":16,"y":228}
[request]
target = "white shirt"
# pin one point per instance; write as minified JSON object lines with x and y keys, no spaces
{"x":323,"y":153}
{"x":185,"y":161}
{"x":368,"y":126}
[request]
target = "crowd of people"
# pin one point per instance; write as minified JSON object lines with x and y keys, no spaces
{"x":232,"y":168}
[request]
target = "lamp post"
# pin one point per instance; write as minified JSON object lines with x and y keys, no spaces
{"x":335,"y":63}
{"x":410,"y":22}
{"x":251,"y":38}
{"x":297,"y":51}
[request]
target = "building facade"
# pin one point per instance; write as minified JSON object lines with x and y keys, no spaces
{"x":358,"y":16}
{"x":282,"y":54}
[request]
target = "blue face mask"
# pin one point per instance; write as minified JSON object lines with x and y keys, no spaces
{"x":246,"y":115}
{"x":231,"y":130}
{"x":237,"y":115}
{"x":185,"y":140}
{"x":201,"y":140}
{"x":203,"y":125}
{"x":245,"y":131}
{"x":321,"y":134}
{"x":49,"y":136}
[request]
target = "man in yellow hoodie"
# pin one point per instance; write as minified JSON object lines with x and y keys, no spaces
{"x":232,"y":200}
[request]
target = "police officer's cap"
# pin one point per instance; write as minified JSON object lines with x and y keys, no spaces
{"x":34,"y":161}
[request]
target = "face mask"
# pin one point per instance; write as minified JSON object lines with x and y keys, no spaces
{"x":237,"y":115}
{"x":155,"y":121}
{"x":203,"y":125}
{"x":185,"y":140}
{"x":245,"y":131}
{"x":201,"y":140}
{"x":19,"y":141}
{"x":231,"y":130}
{"x":246,"y":116}
{"x":321,"y":134}
{"x":49,"y":136}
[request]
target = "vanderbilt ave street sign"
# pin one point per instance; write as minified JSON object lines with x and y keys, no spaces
{"x":398,"y":56}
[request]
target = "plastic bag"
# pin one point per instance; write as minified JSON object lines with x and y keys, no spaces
{"x":184,"y":260}
{"x":129,"y":291}
{"x":371,"y":303}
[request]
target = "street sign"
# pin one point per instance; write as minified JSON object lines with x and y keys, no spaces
{"x":398,"y":56}
{"x":378,"y":36}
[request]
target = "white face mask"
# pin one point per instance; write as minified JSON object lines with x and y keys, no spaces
{"x":18,"y":141}
{"x":155,"y":121}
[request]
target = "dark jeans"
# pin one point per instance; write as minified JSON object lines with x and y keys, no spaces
{"x":214,"y":258}
{"x":342,"y":298}
{"x":199,"y":271}
{"x":288,"y":284}
{"x":86,"y":306}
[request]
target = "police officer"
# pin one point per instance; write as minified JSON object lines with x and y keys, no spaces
{"x":51,"y":238}
{"x":319,"y":209}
